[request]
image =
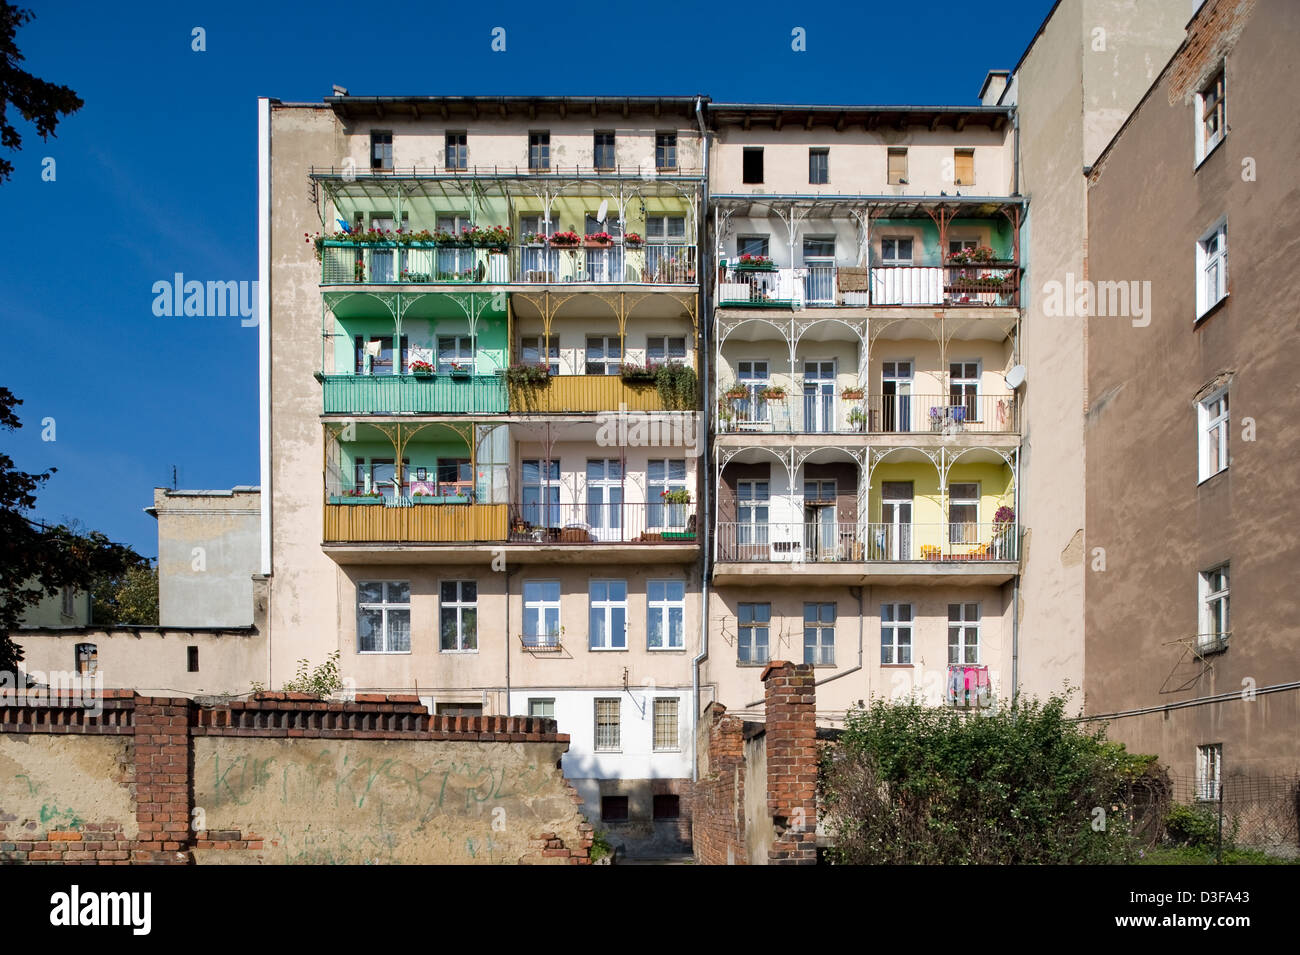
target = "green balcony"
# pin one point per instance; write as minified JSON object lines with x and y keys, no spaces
{"x":418,"y":394}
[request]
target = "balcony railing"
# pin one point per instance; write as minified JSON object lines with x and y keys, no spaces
{"x":420,"y":394}
{"x":441,"y":523}
{"x":594,"y":522}
{"x":816,"y":412}
{"x":822,"y":283}
{"x":853,"y":542}
{"x":346,"y":263}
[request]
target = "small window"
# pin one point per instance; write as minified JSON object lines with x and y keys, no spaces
{"x":539,"y":153}
{"x":895,"y":634}
{"x":1211,"y":268}
{"x":613,"y":808}
{"x":963,"y":167}
{"x":1210,"y":116}
{"x":384,"y":616}
{"x":458,"y":615}
{"x":897,"y":172}
{"x":191,"y":659}
{"x":665,"y":726}
{"x":543,"y":708}
{"x":665,"y":627}
{"x":667,"y":806}
{"x":819,"y":166}
{"x":896,"y":250}
{"x":1209,"y":771}
{"x":608,"y":727}
{"x":666,"y":150}
{"x":68,"y":598}
{"x":459,"y":709}
{"x":603,"y":146}
{"x":87,"y":659}
{"x":1215,"y":623}
{"x":457,"y":152}
{"x":963,"y":633}
{"x":381,"y":149}
{"x":607,"y":628}
{"x":819,"y":634}
{"x":752,"y":245}
{"x":1212,"y":429}
{"x":665,"y":230}
{"x":752,"y":168}
{"x":819,"y":247}
{"x":753,"y":622}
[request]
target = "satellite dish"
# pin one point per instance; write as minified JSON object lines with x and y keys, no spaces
{"x":603,"y":212}
{"x":1015,"y":377}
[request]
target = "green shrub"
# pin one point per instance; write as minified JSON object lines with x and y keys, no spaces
{"x":678,"y":386}
{"x":600,"y":847}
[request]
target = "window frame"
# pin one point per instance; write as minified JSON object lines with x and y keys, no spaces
{"x":895,"y":261}
{"x":384,"y":606}
{"x":458,"y":606}
{"x":676,"y":745}
{"x":1205,"y":144}
{"x":963,"y":624}
{"x":549,"y":700}
{"x":891,"y":621}
{"x":598,"y":149}
{"x":821,"y":626}
{"x":663,"y":607}
{"x":659,"y":513}
{"x":85,"y":658}
{"x":966,"y":500}
{"x":1204,"y":260}
{"x":815,"y":169}
{"x":617,"y":745}
{"x":665,"y":150}
{"x":1209,"y":770}
{"x":607,"y":366}
{"x":383,"y":162}
{"x":665,"y":343}
{"x":608,"y":606}
{"x":548,"y":352}
{"x":550,"y":638}
{"x":745,"y":172}
{"x":461,"y":148}
{"x":191,"y":659}
{"x":1214,"y":607}
{"x":891,"y":153}
{"x":539,"y":146}
{"x":753,"y":624}
{"x":1207,"y":422}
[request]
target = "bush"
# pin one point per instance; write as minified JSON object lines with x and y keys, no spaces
{"x":322,"y":681}
{"x":1194,"y":826}
{"x":909,"y":783}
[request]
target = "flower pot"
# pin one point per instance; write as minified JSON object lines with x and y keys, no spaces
{"x":597,"y":244}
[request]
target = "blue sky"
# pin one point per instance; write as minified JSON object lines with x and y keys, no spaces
{"x":157,"y":175}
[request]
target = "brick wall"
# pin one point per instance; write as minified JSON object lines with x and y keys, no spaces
{"x":1210,"y":38}
{"x":380,"y":781}
{"x":791,"y":706}
{"x":717,"y":818}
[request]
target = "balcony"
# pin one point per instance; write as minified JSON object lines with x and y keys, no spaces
{"x":874,"y":414}
{"x":822,"y":283}
{"x":399,"y":520}
{"x":593,"y":522}
{"x":391,"y":263}
{"x":584,"y":394}
{"x":414,"y":394}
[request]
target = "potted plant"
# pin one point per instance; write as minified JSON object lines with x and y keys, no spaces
{"x":421,"y":369}
{"x":676,"y":496}
{"x":755,"y":263}
{"x":737,"y":393}
{"x":461,"y":369}
{"x":565,"y":240}
{"x":773,"y":393}
{"x":496,"y":237}
{"x":638,"y":374}
{"x":597,"y":240}
{"x":857,"y":419}
{"x":853,"y":393}
{"x":527,"y":375}
{"x":532,"y":238}
{"x":633,"y":241}
{"x":358,"y":495}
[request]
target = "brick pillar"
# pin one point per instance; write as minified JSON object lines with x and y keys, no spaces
{"x":162,"y":780}
{"x":791,"y":704}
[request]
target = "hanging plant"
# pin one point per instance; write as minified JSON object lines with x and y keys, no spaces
{"x":773,"y":393}
{"x":525,"y":375}
{"x":678,"y":386}
{"x":852,"y":394}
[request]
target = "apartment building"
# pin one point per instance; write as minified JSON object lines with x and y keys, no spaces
{"x":865,"y":329}
{"x":480,"y":417}
{"x":1190,"y":622}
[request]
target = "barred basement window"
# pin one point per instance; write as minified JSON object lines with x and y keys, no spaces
{"x":667,"y":806}
{"x":666,"y":738}
{"x":613,"y":808}
{"x":608,"y":737}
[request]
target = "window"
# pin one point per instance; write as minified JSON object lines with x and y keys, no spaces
{"x":661,"y":230}
{"x":191,"y":659}
{"x":607,"y":620}
{"x":752,"y":245}
{"x":457,"y":152}
{"x":1215,"y":624}
{"x":1209,"y":771}
{"x":604,"y":355}
{"x":384,"y":616}
{"x":895,"y":250}
{"x":612,"y":225}
{"x":963,"y":167}
{"x":374,"y":356}
{"x":458,"y":709}
{"x":603,"y":157}
{"x":608,"y":737}
{"x":381,"y":149}
{"x":454,"y":350}
{"x":964,"y":387}
{"x":540,"y":489}
{"x":752,"y":626}
{"x":960,"y":245}
{"x":819,"y":166}
{"x":1211,"y":123}
{"x":819,"y":247}
{"x":665,"y":626}
{"x":534,"y":351}
{"x":963,"y":633}
{"x":605,"y":497}
{"x":897,"y":169}
{"x":458,"y":615}
{"x":752,"y":165}
{"x":665,"y":348}
{"x":964,"y":513}
{"x":454,"y":471}
{"x":539,"y":152}
{"x":665,"y":474}
{"x":666,"y":150}
{"x":541,"y":613}
{"x":667,"y":806}
{"x":68,"y":604}
{"x":86,"y":659}
{"x":664,"y":259}
{"x":665,"y":716}
{"x":895,"y":633}
{"x":819,"y":633}
{"x":613,"y":808}
{"x":1212,"y":429}
{"x":1211,"y":268}
{"x":542,"y":708}
{"x":752,"y":499}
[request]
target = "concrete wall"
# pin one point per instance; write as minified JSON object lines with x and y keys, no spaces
{"x":207,"y":555}
{"x":1159,"y":524}
{"x":65,"y":782}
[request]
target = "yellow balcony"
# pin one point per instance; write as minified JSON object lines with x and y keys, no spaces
{"x":575,"y":394}
{"x":421,"y":523}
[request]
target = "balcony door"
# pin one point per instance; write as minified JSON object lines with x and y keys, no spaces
{"x":895,"y":533}
{"x":819,"y":396}
{"x":751,"y":411}
{"x":377,"y":359}
{"x":454,"y":265}
{"x":380,"y":474}
{"x":752,"y":502}
{"x":896,"y":396}
{"x":605,"y":498}
{"x":454,"y":350}
{"x":604,"y":265}
{"x":820,"y":527}
{"x":540,"y":486}
{"x":382,"y":261}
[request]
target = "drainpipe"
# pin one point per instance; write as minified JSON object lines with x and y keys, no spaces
{"x":1015,"y":146}
{"x":702,"y":433}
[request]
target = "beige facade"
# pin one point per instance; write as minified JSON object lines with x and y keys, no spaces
{"x":1190,"y":436}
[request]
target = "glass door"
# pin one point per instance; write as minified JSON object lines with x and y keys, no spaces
{"x":896,"y":392}
{"x":819,"y":520}
{"x":454,"y":264}
{"x":541,"y":493}
{"x":605,"y":498}
{"x":819,"y":396}
{"x":895,"y":535}
{"x":751,"y":411}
